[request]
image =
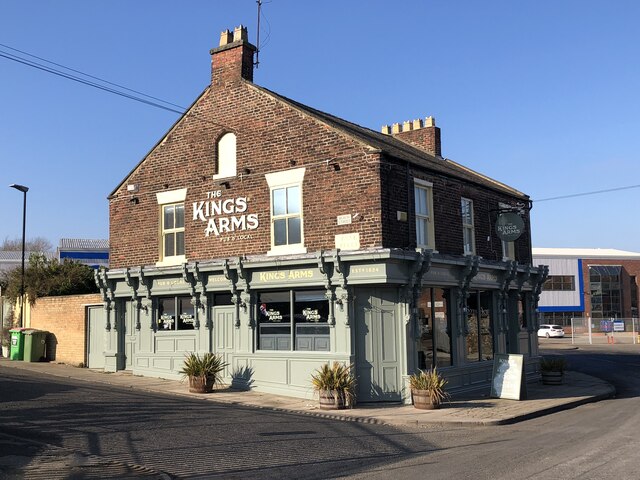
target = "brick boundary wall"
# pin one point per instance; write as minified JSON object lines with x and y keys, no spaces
{"x":64,"y":318}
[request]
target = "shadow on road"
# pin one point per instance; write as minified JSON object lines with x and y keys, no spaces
{"x":192,"y":438}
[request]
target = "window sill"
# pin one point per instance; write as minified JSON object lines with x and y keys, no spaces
{"x":426,"y":247}
{"x":172,"y":261}
{"x":287,"y":250}
{"x":220,"y":176}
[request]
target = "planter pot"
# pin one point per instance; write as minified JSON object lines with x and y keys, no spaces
{"x":552,"y":378}
{"x":201,"y":384}
{"x":331,"y":400}
{"x":422,"y":401}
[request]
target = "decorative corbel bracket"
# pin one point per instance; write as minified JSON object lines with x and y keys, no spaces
{"x":190,"y":279}
{"x":470,"y":270}
{"x":345,"y":298}
{"x":329,"y":290}
{"x":106,"y":291}
{"x":508,"y":277}
{"x":241,"y":300}
{"x":421,"y":266}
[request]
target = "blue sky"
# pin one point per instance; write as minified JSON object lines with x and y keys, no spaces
{"x":540,"y":95}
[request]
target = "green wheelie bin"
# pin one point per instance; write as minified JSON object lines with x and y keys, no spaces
{"x":17,"y":344}
{"x":34,"y":344}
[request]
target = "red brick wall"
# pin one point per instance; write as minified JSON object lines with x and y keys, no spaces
{"x":270,"y":135}
{"x":629,"y":268}
{"x":427,"y":138}
{"x":64,"y":317}
{"x":397,"y":195}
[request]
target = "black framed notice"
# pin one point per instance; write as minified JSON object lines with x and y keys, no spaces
{"x":508,"y":379}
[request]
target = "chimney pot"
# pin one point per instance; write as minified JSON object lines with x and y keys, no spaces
{"x":240,"y":33}
{"x":422,"y":135}
{"x":225,"y":37}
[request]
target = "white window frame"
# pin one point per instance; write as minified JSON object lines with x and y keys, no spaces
{"x":508,"y":250}
{"x":226,"y":156}
{"x":165,"y":199}
{"x":428,"y":219}
{"x":284,"y":179}
{"x":469,"y":228}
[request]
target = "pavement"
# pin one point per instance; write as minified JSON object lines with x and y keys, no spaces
{"x":577,"y":389}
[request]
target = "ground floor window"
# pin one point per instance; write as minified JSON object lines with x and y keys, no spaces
{"x":561,"y":318}
{"x":175,"y":313}
{"x":434,"y":323}
{"x":293,"y":320}
{"x":480,"y":313}
{"x":524,"y":313}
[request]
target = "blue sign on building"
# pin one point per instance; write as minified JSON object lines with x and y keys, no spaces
{"x":606,"y":325}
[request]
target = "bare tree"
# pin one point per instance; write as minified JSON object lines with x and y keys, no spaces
{"x":36,"y":244}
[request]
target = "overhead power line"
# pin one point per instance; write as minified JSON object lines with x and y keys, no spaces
{"x":44,"y":68}
{"x":104,"y":85}
{"x":88,"y":75}
{"x":126,"y":92}
{"x":586,"y":193}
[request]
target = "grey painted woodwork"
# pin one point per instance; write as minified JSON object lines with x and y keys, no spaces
{"x":96,"y":321}
{"x":378,"y":362}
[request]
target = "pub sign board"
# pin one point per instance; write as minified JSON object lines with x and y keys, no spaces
{"x":508,"y":379}
{"x":509,"y":226}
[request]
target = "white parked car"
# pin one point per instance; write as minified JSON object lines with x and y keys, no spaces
{"x":548,"y":331}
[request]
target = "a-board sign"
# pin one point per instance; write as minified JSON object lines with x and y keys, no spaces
{"x":508,"y":379}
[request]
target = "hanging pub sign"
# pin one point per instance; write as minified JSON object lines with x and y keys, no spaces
{"x":509,"y":226}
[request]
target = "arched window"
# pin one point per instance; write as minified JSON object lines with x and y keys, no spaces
{"x":226,"y":161}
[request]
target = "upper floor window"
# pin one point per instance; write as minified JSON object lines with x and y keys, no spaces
{"x":173,"y":230}
{"x":560,"y":282}
{"x":423,"y":193}
{"x":172,"y":246}
{"x":286,"y":215}
{"x":226,"y":156}
{"x":287,"y":226}
{"x":468,"y":237}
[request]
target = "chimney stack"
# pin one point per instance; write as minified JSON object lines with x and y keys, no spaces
{"x":422,"y":135}
{"x":233,"y":59}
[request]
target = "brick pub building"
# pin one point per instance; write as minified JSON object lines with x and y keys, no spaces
{"x":283,"y":237}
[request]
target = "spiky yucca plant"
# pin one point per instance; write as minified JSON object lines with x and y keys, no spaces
{"x":432,"y":382}
{"x":208,"y":367}
{"x":337,"y":378}
{"x":553,"y":364}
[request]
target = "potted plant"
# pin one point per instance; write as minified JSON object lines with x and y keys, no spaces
{"x":336,"y":386}
{"x":427,"y":389}
{"x":204,"y":372}
{"x":552,"y":370}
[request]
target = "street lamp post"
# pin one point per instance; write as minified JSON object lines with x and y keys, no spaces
{"x":24,"y":190}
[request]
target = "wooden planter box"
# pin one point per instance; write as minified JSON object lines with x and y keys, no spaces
{"x":331,"y":400}
{"x":201,"y":385}
{"x":422,"y":401}
{"x":552,"y":378}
